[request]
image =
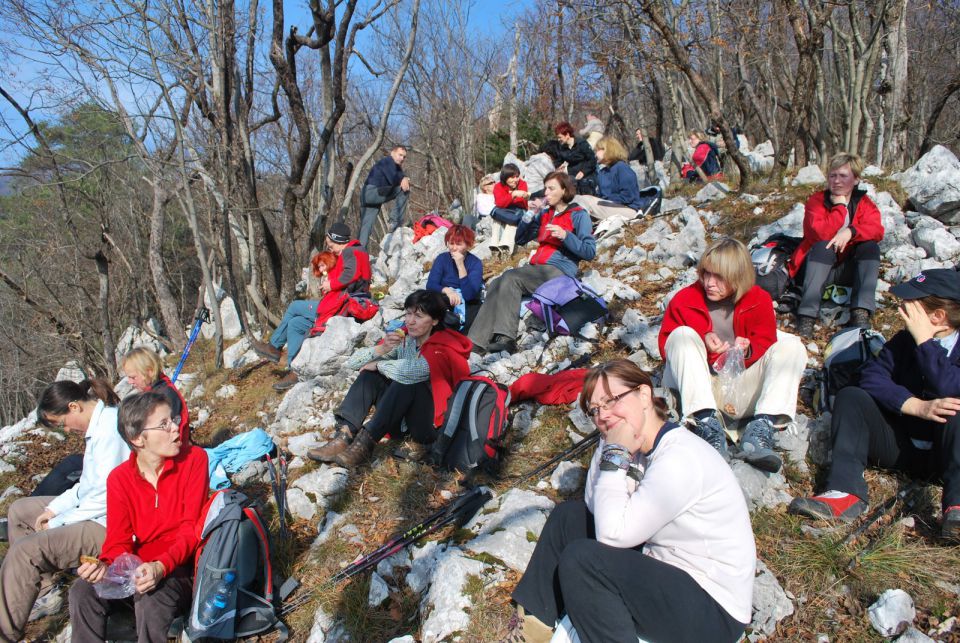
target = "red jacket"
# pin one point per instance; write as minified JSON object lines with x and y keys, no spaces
{"x":178,"y":405}
{"x":559,"y":388}
{"x":503,"y":199}
{"x":352,"y":270}
{"x":156,"y":524}
{"x":446,"y":352}
{"x":753,"y":318}
{"x":822,"y":219}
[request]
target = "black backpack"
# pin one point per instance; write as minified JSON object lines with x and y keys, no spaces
{"x":770,"y":263}
{"x":474,"y":426}
{"x":234,"y":543}
{"x":843,"y":357}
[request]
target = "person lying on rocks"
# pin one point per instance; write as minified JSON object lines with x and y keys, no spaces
{"x":408,"y":377}
{"x":458,"y":274}
{"x":577,"y":157}
{"x":904,"y":413}
{"x":510,"y":196}
{"x":841,"y":234}
{"x":49,"y":534}
{"x":144,"y":370}
{"x":565,"y":235}
{"x":618,"y":192}
{"x":721,"y":312}
{"x":660,"y":547}
{"x":347,"y":282}
{"x":154,"y":500}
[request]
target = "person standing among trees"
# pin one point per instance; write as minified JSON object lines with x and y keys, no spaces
{"x":841,"y":234}
{"x":386,"y":182}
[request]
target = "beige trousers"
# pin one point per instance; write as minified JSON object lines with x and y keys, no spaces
{"x":769,"y":386}
{"x":600,"y":209}
{"x":34,"y":557}
{"x":502,"y":235}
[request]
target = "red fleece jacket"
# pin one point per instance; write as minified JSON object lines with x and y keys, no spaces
{"x":156,"y":524}
{"x":446,"y":352}
{"x":559,"y":388}
{"x":753,"y":318}
{"x":503,"y":198}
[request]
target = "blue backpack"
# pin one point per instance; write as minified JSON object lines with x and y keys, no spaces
{"x":565,"y":305}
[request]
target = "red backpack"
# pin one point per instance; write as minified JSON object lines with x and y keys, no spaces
{"x":474,"y":426}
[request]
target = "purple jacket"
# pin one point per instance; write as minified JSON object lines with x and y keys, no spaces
{"x":903,"y":370}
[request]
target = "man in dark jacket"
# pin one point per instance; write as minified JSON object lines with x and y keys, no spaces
{"x":579,"y":158}
{"x":386,"y":182}
{"x":639,"y":152}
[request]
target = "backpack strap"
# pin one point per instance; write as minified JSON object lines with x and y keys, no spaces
{"x":456,"y":407}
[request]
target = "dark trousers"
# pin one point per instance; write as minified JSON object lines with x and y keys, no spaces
{"x":860,"y":268}
{"x":154,"y":610}
{"x":864,"y":434}
{"x":62,"y":477}
{"x":614,"y":594}
{"x":394,"y":402}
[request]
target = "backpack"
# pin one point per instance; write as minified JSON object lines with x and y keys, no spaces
{"x":770,"y":263}
{"x":565,"y":305}
{"x":843,"y":357}
{"x":473,"y":426}
{"x":233,"y":538}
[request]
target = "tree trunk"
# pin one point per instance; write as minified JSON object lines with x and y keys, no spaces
{"x":165,"y":301}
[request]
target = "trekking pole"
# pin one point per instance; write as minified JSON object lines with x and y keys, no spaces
{"x":571,"y":452}
{"x":203,"y":315}
{"x":275,"y":484}
{"x":908,"y":494}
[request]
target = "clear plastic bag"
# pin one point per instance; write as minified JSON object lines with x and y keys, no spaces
{"x":120,"y":579}
{"x":729,"y":367}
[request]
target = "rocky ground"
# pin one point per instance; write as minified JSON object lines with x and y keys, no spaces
{"x":894,"y":580}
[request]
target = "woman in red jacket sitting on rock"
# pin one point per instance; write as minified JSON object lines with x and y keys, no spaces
{"x":153,"y":504}
{"x":408,"y":377}
{"x":723,"y":310}
{"x":841,"y":234}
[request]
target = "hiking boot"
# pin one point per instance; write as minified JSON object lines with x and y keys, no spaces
{"x":501,"y":343}
{"x":832,"y":505}
{"x":265,"y":350}
{"x":412,"y":451}
{"x":710,"y":429}
{"x":334,"y":447}
{"x":526,"y":628}
{"x":859,"y":318}
{"x":47,"y":605}
{"x":950,"y":529}
{"x":805,"y":326}
{"x":756,"y":446}
{"x":288,"y":381}
{"x":358,"y":452}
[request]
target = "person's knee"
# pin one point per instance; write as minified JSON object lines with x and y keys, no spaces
{"x":21,"y":511}
{"x":850,"y":396}
{"x":82,"y":594}
{"x":820,"y":253}
{"x":867,"y":251}
{"x":578,"y":559}
{"x":789,"y":352}
{"x":683,"y":338}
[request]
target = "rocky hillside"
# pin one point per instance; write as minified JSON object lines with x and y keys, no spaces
{"x":813,"y":582}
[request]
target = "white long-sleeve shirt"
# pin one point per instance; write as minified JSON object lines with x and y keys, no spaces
{"x":104,"y":450}
{"x":687,"y":511}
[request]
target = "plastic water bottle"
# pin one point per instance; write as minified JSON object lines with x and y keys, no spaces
{"x":216,"y":604}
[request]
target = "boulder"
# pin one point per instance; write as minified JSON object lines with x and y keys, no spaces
{"x":239,"y":354}
{"x":764,"y":149}
{"x":567,"y":477}
{"x":892,"y":613}
{"x":712,"y":192}
{"x":379,"y":590}
{"x":809,"y":175}
{"x":323,"y":355}
{"x":134,"y":337}
{"x":770,"y":603}
{"x":933,"y":236}
{"x":508,"y":532}
{"x":229,"y":317}
{"x":933,"y":184}
{"x":761,"y":489}
{"x":323,"y":485}
{"x":790,"y":224}
{"x":447,"y":604}
{"x":535,"y":169}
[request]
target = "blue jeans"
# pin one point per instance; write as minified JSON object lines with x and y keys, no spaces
{"x":293,"y":328}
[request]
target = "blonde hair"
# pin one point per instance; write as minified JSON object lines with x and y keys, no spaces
{"x":699,"y":133}
{"x":613,"y":150}
{"x":845,"y":158}
{"x":728,"y":259}
{"x":144,"y":361}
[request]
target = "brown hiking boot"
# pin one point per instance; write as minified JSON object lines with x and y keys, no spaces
{"x":265,"y":350}
{"x":329,"y":451}
{"x":287,"y":381}
{"x":358,"y":452}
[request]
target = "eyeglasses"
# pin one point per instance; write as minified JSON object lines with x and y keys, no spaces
{"x":169,"y":425}
{"x":594,"y":411}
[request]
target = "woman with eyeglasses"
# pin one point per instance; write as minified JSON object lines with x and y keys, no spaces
{"x":144,"y":370}
{"x":659,"y":548}
{"x":49,"y":534}
{"x":154,"y":500}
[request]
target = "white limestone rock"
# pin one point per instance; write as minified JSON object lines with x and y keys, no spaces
{"x":229,"y":317}
{"x":761,"y":489}
{"x":765,"y":148}
{"x":323,"y":355}
{"x":72,"y":372}
{"x":226,"y":391}
{"x":448,"y":606}
{"x":672,"y":204}
{"x":871,"y":171}
{"x":299,"y":505}
{"x":300,"y":444}
{"x":790,"y":224}
{"x":379,"y":590}
{"x":568,"y":477}
{"x":239,"y":354}
{"x":892,"y":613}
{"x":913,"y":635}
{"x":933,"y":236}
{"x":712,"y":192}
{"x":608,"y":287}
{"x":933,"y":184}
{"x":771,"y":604}
{"x":507,"y":532}
{"x":133,"y":337}
{"x":809,"y":175}
{"x":323,"y":485}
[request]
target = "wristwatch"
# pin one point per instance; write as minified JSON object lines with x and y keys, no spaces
{"x":613,"y":460}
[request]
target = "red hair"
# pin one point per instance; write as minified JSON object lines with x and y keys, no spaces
{"x":563,"y":127}
{"x":460,"y":234}
{"x":323,"y":262}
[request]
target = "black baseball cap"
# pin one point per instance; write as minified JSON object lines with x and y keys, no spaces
{"x":339,"y":233}
{"x":938,"y":282}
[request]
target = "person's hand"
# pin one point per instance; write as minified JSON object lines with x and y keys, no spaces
{"x":370,"y":366}
{"x":405,"y":184}
{"x":92,"y":572}
{"x":457,"y":256}
{"x":453,"y":296}
{"x":147,"y":576}
{"x":556,"y":231}
{"x":939,"y":410}
{"x":839,"y":199}
{"x":917,"y":321}
{"x":624,"y":434}
{"x":714,"y":344}
{"x":742,"y":343}
{"x":43,"y":520}
{"x":325,"y":285}
{"x":840,"y":240}
{"x":391,"y":341}
{"x":579,"y":175}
